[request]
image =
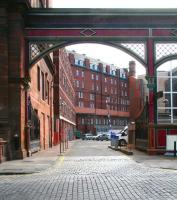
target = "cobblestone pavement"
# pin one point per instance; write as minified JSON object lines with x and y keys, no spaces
{"x":91,"y":171}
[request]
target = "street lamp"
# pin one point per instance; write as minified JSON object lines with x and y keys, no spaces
{"x":60,"y":104}
{"x":109,"y":118}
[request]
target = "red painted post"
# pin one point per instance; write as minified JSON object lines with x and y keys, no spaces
{"x":150,"y":57}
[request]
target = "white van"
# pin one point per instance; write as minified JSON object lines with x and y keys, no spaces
{"x":123,"y":136}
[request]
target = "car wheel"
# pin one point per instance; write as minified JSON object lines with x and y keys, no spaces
{"x":122,"y":143}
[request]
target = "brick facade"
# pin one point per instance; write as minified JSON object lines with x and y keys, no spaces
{"x":41,"y":99}
{"x":100,"y":91}
{"x":64,"y":99}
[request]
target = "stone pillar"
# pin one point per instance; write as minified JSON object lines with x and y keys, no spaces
{"x":16,"y":73}
{"x":4,"y":122}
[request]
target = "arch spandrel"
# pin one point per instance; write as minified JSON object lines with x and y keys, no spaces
{"x":164,"y":51}
{"x":38,"y":50}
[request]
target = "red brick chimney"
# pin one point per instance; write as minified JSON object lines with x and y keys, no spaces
{"x":87,"y":63}
{"x":71,"y":58}
{"x":132,"y":68}
{"x":107,"y":69}
{"x":100,"y":67}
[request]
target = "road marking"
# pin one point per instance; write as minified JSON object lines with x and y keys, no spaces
{"x":61,"y":160}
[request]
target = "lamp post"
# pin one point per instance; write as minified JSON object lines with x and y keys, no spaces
{"x":109,"y":118}
{"x":60,"y":104}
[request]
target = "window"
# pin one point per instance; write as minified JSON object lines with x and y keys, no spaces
{"x":82,"y":121}
{"x":167,"y":86}
{"x":47,"y":93}
{"x":80,"y":104}
{"x":91,"y":121}
{"x":92,"y":96}
{"x":43,"y":91}
{"x":111,"y":81}
{"x":105,"y":79}
{"x":38,"y":78}
{"x":82,"y":84}
{"x":108,"y":99}
{"x":82,"y":73}
{"x":97,"y":77}
{"x":92,"y":77}
{"x":105,"y":89}
{"x":79,"y":63}
{"x":77,"y":83}
{"x":97,"y":88}
{"x":77,"y":72}
{"x":104,"y":69}
{"x":80,"y":95}
{"x":111,"y":91}
{"x":93,"y":66}
{"x":92,"y":105}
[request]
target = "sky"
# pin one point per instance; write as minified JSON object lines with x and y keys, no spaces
{"x":115,"y":56}
{"x":115,"y":3}
{"x":106,"y":54}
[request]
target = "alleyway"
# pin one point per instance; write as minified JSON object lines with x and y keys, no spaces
{"x":88,"y":171}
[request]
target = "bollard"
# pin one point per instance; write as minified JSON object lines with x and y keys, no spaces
{"x":174,"y":148}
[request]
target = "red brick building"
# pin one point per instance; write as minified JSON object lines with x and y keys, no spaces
{"x":137,"y":92}
{"x":64,"y":99}
{"x":16,"y":126}
{"x":101,"y":91}
{"x":40,"y":105}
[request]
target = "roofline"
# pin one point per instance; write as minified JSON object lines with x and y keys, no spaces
{"x":104,"y":11}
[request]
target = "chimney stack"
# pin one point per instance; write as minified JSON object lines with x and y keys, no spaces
{"x":132,"y":68}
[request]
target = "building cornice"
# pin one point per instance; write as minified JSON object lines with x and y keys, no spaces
{"x":106,"y":11}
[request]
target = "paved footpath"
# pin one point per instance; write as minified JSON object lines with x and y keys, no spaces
{"x":92,"y":171}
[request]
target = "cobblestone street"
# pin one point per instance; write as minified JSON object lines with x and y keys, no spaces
{"x":90,"y":170}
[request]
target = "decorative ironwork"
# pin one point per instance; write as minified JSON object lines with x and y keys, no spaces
{"x":163,"y":50}
{"x":139,"y":49}
{"x":151,"y":82}
{"x":38,"y":48}
{"x":174,"y":32}
{"x":88,"y":32}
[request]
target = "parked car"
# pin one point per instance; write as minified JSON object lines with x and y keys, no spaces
{"x":94,"y":137}
{"x":87,"y":136}
{"x":97,"y":136}
{"x":103,"y":137}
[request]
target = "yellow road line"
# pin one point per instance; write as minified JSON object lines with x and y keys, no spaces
{"x":61,"y":160}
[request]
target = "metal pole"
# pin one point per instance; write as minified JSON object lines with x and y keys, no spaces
{"x":174,"y":148}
